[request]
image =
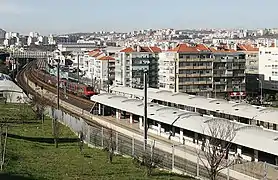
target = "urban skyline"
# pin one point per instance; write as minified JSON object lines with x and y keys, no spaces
{"x":89,"y":16}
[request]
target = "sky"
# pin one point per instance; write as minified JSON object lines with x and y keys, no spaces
{"x":65,"y":16}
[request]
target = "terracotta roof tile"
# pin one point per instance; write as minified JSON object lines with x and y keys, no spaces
{"x":155,"y":49}
{"x":186,"y":48}
{"x":246,"y":47}
{"x":97,"y":54}
{"x":127,"y":50}
{"x":106,"y":58}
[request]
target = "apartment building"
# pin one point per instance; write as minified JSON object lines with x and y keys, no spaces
{"x":197,"y":69}
{"x":228,"y":72}
{"x":186,"y":68}
{"x":252,"y":57}
{"x":104,"y":70}
{"x":131,"y":63}
{"x":252,"y":68}
{"x":268,"y":67}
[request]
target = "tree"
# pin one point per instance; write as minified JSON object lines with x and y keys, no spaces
{"x":215,"y":148}
{"x":40,"y":105}
{"x":111,"y":145}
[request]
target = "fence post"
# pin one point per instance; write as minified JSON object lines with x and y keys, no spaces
{"x":89,"y":134}
{"x":152,"y":149}
{"x":173,"y":157}
{"x":102,"y":138}
{"x":132,"y":148}
{"x":228,"y":170}
{"x":117,"y":142}
{"x":197,"y":166}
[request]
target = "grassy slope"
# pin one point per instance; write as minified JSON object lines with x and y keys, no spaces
{"x":28,"y":156}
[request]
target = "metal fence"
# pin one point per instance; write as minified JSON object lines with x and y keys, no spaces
{"x":173,"y":158}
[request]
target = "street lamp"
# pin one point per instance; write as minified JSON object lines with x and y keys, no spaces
{"x":261,"y":99}
{"x":145,"y":109}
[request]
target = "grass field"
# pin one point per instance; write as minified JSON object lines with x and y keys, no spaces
{"x":31,"y":154}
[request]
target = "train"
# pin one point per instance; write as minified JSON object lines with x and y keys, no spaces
{"x":75,"y":88}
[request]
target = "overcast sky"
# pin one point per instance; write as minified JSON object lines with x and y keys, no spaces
{"x":59,"y":16}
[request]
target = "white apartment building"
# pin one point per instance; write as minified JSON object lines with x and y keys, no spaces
{"x":131,"y":64}
{"x":268,"y":67}
{"x":167,"y":70}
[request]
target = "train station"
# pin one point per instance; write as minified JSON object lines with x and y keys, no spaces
{"x":252,"y":143}
{"x":237,"y":111}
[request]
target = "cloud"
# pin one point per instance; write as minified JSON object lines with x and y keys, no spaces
{"x":10,"y":8}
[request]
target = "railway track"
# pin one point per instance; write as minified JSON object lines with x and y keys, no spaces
{"x":67,"y":97}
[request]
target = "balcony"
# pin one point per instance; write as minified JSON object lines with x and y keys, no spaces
{"x":222,"y":75}
{"x":239,"y":75}
{"x":223,"y":60}
{"x":235,"y":67}
{"x":195,"y":59}
{"x":195,"y":67}
{"x":220,"y":68}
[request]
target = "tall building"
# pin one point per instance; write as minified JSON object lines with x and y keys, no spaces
{"x":131,"y":63}
{"x":252,"y":68}
{"x":228,"y":72}
{"x":268,"y":67}
{"x":2,"y":34}
{"x":197,"y":69}
{"x":186,"y":68}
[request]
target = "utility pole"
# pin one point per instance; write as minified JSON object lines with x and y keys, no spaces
{"x":58,"y":84}
{"x":175,"y":71}
{"x":77,"y":68}
{"x":58,"y":105}
{"x":145,"y":109}
{"x":108,"y":76}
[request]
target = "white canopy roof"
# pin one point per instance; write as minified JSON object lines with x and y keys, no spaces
{"x":249,"y":136}
{"x":216,"y":105}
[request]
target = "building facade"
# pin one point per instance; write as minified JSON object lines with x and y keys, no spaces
{"x":186,"y":69}
{"x":197,"y":69}
{"x":252,"y":68}
{"x":131,"y":64}
{"x":268,"y":67}
{"x":229,"y":73}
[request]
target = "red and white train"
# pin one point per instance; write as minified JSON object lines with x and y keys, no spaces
{"x":71,"y":87}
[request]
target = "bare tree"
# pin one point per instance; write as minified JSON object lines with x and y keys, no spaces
{"x":219,"y":134}
{"x":40,"y":105}
{"x":111,"y":145}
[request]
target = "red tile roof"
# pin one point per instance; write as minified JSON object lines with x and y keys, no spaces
{"x":96,"y":54}
{"x":155,"y":49}
{"x":187,"y":48}
{"x":246,"y":47}
{"x":152,"y":49}
{"x":221,"y":49}
{"x":106,"y":58}
{"x":127,"y":50}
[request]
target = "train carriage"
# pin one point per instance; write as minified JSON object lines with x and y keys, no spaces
{"x":71,"y":87}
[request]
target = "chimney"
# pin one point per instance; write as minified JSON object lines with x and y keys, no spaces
{"x":138,"y":48}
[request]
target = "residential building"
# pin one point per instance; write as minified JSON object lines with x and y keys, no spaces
{"x":268,"y":67}
{"x":104,"y":71}
{"x":252,"y":68}
{"x":131,"y":64}
{"x":2,"y":34}
{"x":186,"y":68}
{"x":228,"y":72}
{"x":252,"y":58}
{"x":197,"y":69}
